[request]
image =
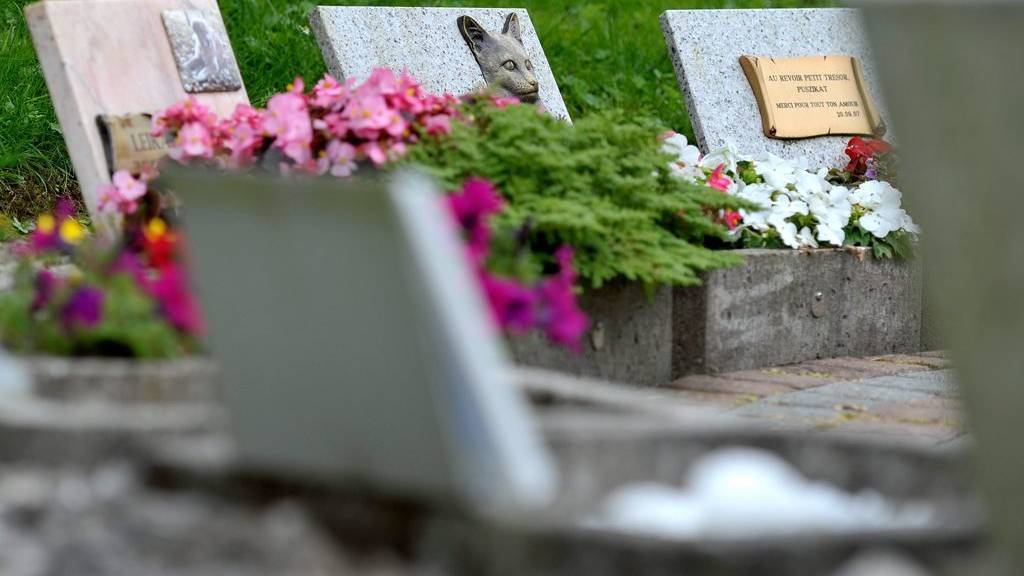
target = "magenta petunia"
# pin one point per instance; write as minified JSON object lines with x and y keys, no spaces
{"x":512,"y":303}
{"x":176,"y":301}
{"x":560,"y":315}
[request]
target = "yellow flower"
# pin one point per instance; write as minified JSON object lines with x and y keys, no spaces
{"x":71,"y":232}
{"x":155,"y":228}
{"x":46,"y":223}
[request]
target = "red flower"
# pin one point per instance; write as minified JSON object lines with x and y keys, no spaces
{"x":159,"y":243}
{"x":861,"y":151}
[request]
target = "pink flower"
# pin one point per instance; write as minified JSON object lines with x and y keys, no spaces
{"x":438,"y":124}
{"x":341,"y":158}
{"x":328,"y":93}
{"x":122,"y":194}
{"x":194,"y":141}
{"x":181,"y":113}
{"x":504,"y":101}
{"x":375,"y":153}
{"x":717,"y":181}
{"x":241,"y":135}
{"x":410,"y":97}
{"x":381,"y":81}
{"x":731,"y":219}
{"x":368,"y":115}
{"x":287,"y":120}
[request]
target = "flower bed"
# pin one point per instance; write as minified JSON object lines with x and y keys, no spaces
{"x":840,"y":282}
{"x":545,"y":209}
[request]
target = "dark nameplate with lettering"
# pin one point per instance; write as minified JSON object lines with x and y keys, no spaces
{"x":128,"y":144}
{"x":812,"y":96}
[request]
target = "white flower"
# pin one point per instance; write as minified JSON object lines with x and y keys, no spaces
{"x":678,"y":146}
{"x":884,"y":213}
{"x":777,"y":173}
{"x":811,"y":184}
{"x":783,"y":207}
{"x":787,"y":230}
{"x":760,"y":194}
{"x":727,"y":155}
{"x":833,"y":211}
{"x":687,"y":163}
{"x":806,"y":238}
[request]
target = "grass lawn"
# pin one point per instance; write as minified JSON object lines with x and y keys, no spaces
{"x":605,"y":54}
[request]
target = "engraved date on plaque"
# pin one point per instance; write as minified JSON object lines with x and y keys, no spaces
{"x":202,"y":51}
{"x":812,"y":96}
{"x":128,"y":144}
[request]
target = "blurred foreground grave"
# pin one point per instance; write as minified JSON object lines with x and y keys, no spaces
{"x":343,"y":450}
{"x":949,"y":75}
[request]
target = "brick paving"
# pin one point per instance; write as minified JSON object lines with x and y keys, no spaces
{"x":909,"y":398}
{"x":904,"y":397}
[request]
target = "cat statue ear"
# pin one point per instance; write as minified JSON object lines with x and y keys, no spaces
{"x":473,"y":32}
{"x":512,"y":27}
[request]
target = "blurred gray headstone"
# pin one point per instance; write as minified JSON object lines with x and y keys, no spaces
{"x":13,"y":377}
{"x":355,"y":343}
{"x":952,"y":75}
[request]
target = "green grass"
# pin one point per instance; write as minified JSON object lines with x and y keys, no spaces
{"x":605,"y":54}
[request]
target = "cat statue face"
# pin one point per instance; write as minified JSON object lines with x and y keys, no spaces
{"x":502,"y":58}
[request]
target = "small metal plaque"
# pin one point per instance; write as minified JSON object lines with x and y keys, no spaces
{"x":812,"y":96}
{"x":202,"y":51}
{"x":128,"y":144}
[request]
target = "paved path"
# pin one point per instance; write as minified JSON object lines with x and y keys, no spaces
{"x":902,"y":398}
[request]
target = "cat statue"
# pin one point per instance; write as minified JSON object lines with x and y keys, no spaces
{"x":502,"y":58}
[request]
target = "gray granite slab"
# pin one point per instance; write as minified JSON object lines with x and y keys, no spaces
{"x":705,"y":46}
{"x":424,"y":41}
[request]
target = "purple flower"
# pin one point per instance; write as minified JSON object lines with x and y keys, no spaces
{"x":128,"y":263}
{"x":83,"y":309}
{"x":872,"y":169}
{"x":512,"y":303}
{"x":46,"y":285}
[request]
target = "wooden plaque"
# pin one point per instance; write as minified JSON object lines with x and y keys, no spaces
{"x":812,"y":96}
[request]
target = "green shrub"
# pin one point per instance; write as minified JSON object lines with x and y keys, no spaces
{"x":603,"y":186}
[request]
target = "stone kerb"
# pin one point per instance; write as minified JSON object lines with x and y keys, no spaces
{"x":594,"y":460}
{"x":629,"y":340}
{"x":787,"y":306}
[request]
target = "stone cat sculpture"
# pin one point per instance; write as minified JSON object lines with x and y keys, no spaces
{"x":502,"y":58}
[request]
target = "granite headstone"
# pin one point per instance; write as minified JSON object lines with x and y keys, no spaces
{"x":427,"y":42}
{"x":113,"y":58}
{"x":706,"y":46}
